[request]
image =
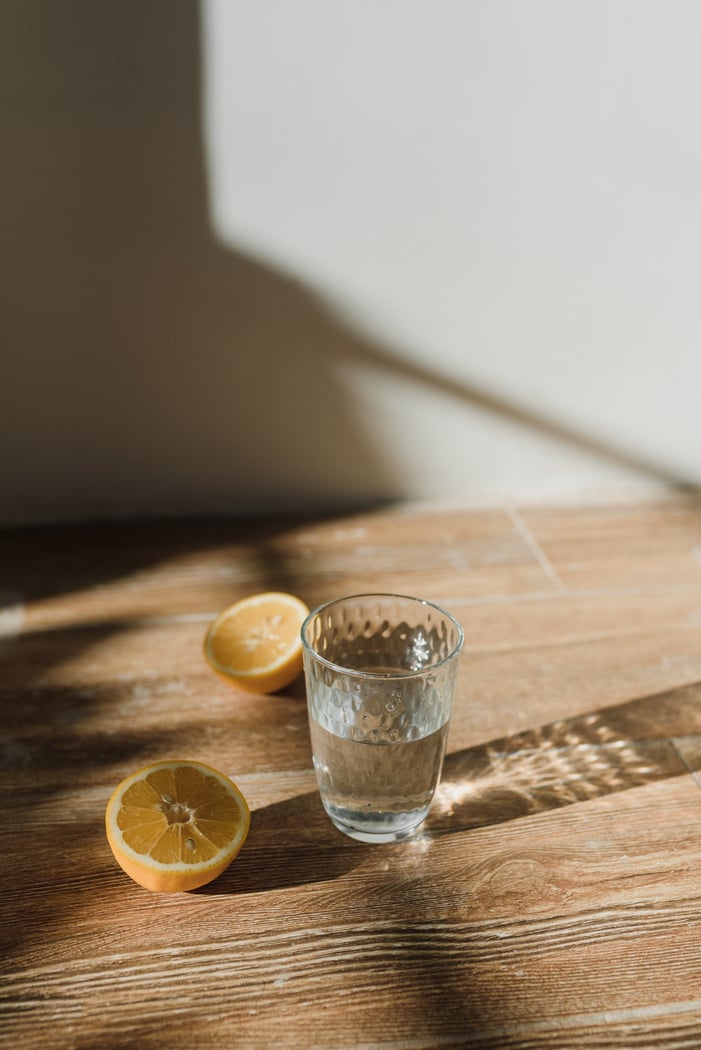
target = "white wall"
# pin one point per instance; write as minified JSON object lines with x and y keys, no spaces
{"x":263,"y":254}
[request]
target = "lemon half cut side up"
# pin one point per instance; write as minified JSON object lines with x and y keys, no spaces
{"x":177,"y":825}
{"x":255,"y":643}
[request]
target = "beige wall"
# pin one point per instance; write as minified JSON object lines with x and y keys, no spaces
{"x":271,"y":255}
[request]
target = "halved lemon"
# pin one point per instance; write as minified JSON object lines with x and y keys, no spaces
{"x":256,"y":642}
{"x":176,"y":825}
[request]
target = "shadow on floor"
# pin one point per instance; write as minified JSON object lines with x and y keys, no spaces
{"x":575,"y":760}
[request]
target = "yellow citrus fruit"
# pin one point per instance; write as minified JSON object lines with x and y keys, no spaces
{"x":176,"y":825}
{"x":256,"y":642}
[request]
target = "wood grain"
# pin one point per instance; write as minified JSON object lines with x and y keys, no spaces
{"x":551,"y":900}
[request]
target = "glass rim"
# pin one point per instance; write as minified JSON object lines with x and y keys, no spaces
{"x":455,"y":651}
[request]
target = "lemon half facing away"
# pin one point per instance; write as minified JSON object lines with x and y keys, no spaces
{"x":174,"y":826}
{"x":256,"y":643}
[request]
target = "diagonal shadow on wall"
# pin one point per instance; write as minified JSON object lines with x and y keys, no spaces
{"x":148,"y":369}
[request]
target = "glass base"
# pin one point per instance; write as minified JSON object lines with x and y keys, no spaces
{"x":376,"y":827}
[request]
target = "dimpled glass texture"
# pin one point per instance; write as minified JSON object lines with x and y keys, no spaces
{"x":380,"y":670}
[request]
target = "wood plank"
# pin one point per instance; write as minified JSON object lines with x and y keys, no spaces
{"x":552,"y":898}
{"x":572,"y":915}
{"x":621,"y":545}
{"x":109,"y":574}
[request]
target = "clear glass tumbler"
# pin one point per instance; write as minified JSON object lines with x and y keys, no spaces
{"x":380,"y":674}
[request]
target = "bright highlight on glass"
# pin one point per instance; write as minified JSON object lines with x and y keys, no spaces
{"x":380,"y":672}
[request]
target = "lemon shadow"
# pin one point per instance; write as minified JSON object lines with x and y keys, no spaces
{"x":290,"y":843}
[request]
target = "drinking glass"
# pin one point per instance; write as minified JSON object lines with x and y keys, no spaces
{"x":380,"y":674}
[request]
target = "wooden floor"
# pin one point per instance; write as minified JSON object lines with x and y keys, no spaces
{"x":553,"y":899}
